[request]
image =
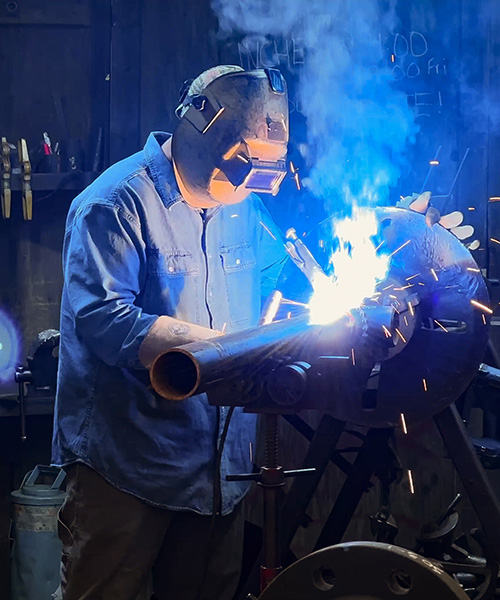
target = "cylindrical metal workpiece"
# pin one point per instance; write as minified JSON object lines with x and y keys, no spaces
{"x":187,"y":370}
{"x":182,"y":372}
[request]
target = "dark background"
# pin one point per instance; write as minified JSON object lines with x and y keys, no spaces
{"x":72,"y":67}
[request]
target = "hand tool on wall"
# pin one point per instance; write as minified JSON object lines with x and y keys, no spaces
{"x":24,"y":161}
{"x":6,"y":171}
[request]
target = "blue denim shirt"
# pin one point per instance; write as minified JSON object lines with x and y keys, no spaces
{"x":133,"y":250}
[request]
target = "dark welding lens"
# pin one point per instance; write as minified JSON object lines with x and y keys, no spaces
{"x":276,"y":81}
{"x":236,"y":169}
{"x":264,"y":181}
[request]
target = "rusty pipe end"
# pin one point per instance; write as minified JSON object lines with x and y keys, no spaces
{"x":175,"y":375}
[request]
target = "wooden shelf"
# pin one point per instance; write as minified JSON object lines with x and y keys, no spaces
{"x":76,"y":180}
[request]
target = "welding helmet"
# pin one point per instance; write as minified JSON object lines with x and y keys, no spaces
{"x":232,"y":138}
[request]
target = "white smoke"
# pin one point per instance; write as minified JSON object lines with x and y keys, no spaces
{"x":358,"y":125}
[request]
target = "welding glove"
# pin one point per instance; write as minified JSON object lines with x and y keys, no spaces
{"x":453,"y":221}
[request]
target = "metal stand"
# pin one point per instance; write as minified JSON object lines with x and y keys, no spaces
{"x":22,"y":376}
{"x":271,"y":478}
{"x":322,"y":449}
{"x":472,"y":474}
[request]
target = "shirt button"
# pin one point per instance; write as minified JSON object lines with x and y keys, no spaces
{"x":170,"y":269}
{"x":238,"y":261}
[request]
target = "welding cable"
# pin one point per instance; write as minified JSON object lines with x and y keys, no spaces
{"x":217,"y":498}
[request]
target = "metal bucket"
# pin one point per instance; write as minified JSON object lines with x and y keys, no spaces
{"x":36,"y":552}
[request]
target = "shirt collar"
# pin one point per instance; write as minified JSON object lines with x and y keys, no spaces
{"x":161,"y":168}
{"x":163,"y":174}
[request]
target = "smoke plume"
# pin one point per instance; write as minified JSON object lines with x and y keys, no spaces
{"x":358,"y":125}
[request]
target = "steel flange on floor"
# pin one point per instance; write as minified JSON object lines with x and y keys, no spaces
{"x":364,"y":571}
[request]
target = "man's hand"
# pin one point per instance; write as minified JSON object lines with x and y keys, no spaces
{"x":167,"y":332}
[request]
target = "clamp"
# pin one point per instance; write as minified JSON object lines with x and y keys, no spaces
{"x":6,"y":172}
{"x":301,"y":256}
{"x":24,"y":161}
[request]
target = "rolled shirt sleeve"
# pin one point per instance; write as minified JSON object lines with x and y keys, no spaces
{"x":105,"y":269}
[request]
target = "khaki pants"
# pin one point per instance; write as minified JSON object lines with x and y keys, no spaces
{"x":112,"y":542}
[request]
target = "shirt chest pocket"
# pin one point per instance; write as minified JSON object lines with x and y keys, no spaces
{"x":237,"y":257}
{"x":171,"y":263}
{"x":242,"y":283}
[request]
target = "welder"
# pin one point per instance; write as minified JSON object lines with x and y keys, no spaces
{"x":168,"y":246}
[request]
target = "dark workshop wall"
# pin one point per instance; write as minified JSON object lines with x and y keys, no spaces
{"x":54,"y":68}
{"x":118,"y":64}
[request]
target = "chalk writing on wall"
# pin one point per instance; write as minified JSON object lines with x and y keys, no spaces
{"x":413,"y":61}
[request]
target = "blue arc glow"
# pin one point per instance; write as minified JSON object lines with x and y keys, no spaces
{"x":9,"y":348}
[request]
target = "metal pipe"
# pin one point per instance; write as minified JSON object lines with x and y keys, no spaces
{"x":181,"y":372}
{"x":187,"y":370}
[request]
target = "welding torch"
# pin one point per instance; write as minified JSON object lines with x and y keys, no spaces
{"x":305,"y":261}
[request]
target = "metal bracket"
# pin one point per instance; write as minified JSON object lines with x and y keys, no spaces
{"x":24,"y":161}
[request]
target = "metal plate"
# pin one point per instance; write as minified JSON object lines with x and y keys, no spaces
{"x":363,"y":571}
{"x":448,"y":280}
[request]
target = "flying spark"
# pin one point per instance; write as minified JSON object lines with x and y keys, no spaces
{"x":294,"y":302}
{"x":289,"y":315}
{"x":268,"y":231}
{"x":439,"y":325}
{"x":411,"y":309}
{"x":434,"y":274}
{"x":403,"y":288}
{"x":380,"y":246}
{"x":495,"y":240}
{"x":405,"y":320}
{"x":433,"y":162}
{"x":484,"y":319}
{"x":233,"y":216}
{"x":472,"y":270}
{"x":386,"y":331}
{"x":424,"y":382}
{"x":400,"y":335}
{"x":403,"y":423}
{"x":481,"y":306}
{"x":472,"y":208}
{"x":400,"y":248}
{"x":388,"y":287}
{"x":216,"y":116}
{"x":223,"y":330}
{"x":297,"y":180}
{"x":410,"y":480}
{"x":243,"y":158}
{"x":412,"y":276}
{"x":352,"y":356}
